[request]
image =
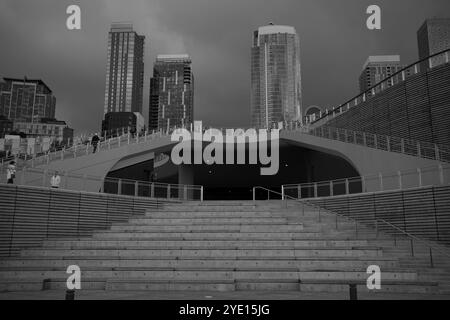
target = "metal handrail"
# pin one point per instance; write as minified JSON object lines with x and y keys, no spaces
{"x":427,"y":243}
{"x":324,"y":115}
{"x":438,"y":152}
{"x":363,"y":179}
{"x":41,"y":176}
{"x":263,"y":188}
{"x":75,"y":148}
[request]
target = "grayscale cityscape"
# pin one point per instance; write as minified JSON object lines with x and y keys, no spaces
{"x":223,"y":150}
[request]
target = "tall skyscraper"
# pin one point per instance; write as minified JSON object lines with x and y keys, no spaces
{"x":433,"y":37}
{"x":26,"y":100}
{"x":125,"y":70}
{"x":276,"y":93}
{"x":171,"y":92}
{"x":378,"y":68}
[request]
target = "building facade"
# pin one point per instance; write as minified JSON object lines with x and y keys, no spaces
{"x":378,"y":68}
{"x":276,"y":91}
{"x":26,"y":100}
{"x":433,"y":37}
{"x":57,"y":130}
{"x":125,"y":70}
{"x":122,"y":122}
{"x":6,"y":126}
{"x":171,"y":92}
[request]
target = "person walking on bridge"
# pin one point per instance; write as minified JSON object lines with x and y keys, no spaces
{"x":94,"y":142}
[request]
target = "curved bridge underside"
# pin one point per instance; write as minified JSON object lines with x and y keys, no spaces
{"x":360,"y":160}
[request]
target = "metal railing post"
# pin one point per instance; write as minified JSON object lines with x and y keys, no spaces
{"x":66,"y":178}
{"x":44,"y":177}
{"x":419,"y":152}
{"x":402,"y":144}
{"x":136,"y":188}
{"x":376,"y":229}
{"x":331,"y":188}
{"x":84,"y":182}
{"x":152,"y":190}
{"x":282,"y":192}
{"x":388,"y":143}
{"x":380,"y":176}
{"x":400,"y":184}
{"x":347,"y":186}
{"x":419,"y":174}
{"x":431,"y":258}
{"x":22,"y":177}
{"x":315,"y":190}
{"x":441,"y":174}
{"x":168,"y":191}
{"x":119,"y":187}
{"x":436,"y":153}
{"x":201,"y":193}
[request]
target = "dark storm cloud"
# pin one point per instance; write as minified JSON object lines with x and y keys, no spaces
{"x":217,"y":34}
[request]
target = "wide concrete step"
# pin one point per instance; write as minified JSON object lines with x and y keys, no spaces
{"x":208,"y":227}
{"x":207,"y":221}
{"x":206,"y":274}
{"x":405,"y":286}
{"x":233,"y":208}
{"x":180,"y":214}
{"x":239,"y":244}
{"x":300,"y":263}
{"x":124,"y":253}
{"x":216,"y":235}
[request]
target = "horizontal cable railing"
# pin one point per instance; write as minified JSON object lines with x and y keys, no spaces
{"x":377,"y":141}
{"x":30,"y":215}
{"x":405,"y":179}
{"x":419,"y":216}
{"x":398,"y":77}
{"x":82,"y":182}
{"x":85,"y":148}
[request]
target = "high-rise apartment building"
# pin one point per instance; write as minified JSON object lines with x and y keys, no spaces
{"x":125,"y":70}
{"x":171,"y":92}
{"x":26,"y":100}
{"x":276,"y":93}
{"x":378,"y":68}
{"x":433,"y":37}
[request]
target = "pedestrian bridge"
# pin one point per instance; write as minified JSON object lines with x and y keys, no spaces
{"x":367,"y":154}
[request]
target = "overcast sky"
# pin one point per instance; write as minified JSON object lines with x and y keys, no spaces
{"x":334,"y":44}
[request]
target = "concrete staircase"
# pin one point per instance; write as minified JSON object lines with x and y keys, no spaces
{"x":226,"y":246}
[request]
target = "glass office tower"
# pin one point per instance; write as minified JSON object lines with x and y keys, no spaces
{"x":276,"y":93}
{"x":125,"y":70}
{"x":171,"y":92}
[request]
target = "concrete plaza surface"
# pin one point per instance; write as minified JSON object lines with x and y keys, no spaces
{"x":199,"y":295}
